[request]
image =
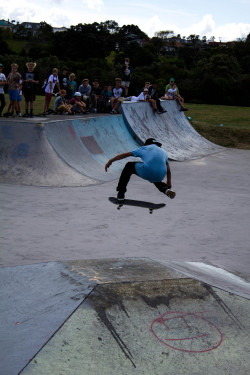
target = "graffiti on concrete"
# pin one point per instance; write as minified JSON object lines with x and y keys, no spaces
{"x":187,"y":332}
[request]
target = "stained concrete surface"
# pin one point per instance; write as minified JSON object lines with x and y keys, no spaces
{"x":152,"y":327}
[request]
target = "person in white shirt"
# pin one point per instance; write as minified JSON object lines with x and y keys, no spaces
{"x":2,"y":83}
{"x":49,"y":88}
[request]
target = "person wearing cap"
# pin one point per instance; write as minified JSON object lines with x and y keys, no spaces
{"x":2,"y":83}
{"x":153,"y":168}
{"x":78,"y":106}
{"x":177,"y":96}
{"x":140,"y":98}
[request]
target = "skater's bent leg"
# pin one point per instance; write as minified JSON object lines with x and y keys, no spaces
{"x":128,"y":170}
{"x":161,"y":186}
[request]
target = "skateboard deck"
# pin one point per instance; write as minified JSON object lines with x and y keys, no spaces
{"x":135,"y":203}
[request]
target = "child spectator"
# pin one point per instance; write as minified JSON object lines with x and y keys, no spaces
{"x":126,"y":75}
{"x":95,"y":96}
{"x":177,"y":96}
{"x":13,"y":80}
{"x":49,"y":88}
{"x":60,"y":104}
{"x":71,"y":85}
{"x":85,"y":90}
{"x":117,"y":94}
{"x":106,"y":96}
{"x":19,"y":99}
{"x":78,"y":106}
{"x":2,"y":83}
{"x":63,"y":80}
{"x":29,"y":90}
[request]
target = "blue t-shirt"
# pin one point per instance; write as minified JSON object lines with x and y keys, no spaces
{"x":153,"y":167}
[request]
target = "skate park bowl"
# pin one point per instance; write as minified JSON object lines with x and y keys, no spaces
{"x":74,"y":151}
{"x":106,"y":311}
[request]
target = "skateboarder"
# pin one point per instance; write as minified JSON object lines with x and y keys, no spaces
{"x":153,"y":168}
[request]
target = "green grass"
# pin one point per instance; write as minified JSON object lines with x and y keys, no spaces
{"x":206,"y":119}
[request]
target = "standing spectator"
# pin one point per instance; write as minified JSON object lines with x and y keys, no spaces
{"x":63,"y":80}
{"x":29,"y":89}
{"x":117,"y":94}
{"x":126,"y":75}
{"x":85,"y":90}
{"x":2,"y":83}
{"x":72,"y":85}
{"x":177,"y":96}
{"x":19,"y":99}
{"x":95,"y":96}
{"x":49,"y":88}
{"x":13,"y":80}
{"x":153,"y":94}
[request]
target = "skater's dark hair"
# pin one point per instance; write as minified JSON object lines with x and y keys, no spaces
{"x":152,"y":141}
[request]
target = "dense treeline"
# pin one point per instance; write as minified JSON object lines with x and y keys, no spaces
{"x":217,"y":74}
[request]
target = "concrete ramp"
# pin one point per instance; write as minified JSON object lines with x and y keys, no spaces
{"x":64,"y":152}
{"x":87,"y":144}
{"x":26,"y":157}
{"x":172,"y":129}
{"x":119,"y":316}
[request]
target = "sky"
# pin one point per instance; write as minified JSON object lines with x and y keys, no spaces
{"x":226,"y":20}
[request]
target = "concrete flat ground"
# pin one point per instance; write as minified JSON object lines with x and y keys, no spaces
{"x":87,"y":289}
{"x":208,"y":221}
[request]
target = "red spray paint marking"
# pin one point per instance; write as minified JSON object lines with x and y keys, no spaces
{"x":72,"y":131}
{"x":209,"y":336}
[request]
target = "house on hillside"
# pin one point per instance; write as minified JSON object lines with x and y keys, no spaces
{"x":6,"y":24}
{"x":33,"y":27}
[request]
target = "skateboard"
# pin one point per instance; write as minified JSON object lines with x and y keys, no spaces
{"x":135,"y":203}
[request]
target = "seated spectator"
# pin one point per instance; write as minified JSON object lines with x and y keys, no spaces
{"x":153,"y":94}
{"x":85,"y":90}
{"x":117,"y":95}
{"x":143,"y":97}
{"x":95,"y":96}
{"x":60,"y":105}
{"x":78,"y":106}
{"x":170,"y":94}
{"x":71,"y":86}
{"x":177,"y":96}
{"x":106,"y":96}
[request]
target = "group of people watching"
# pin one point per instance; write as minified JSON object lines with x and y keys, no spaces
{"x":18,"y":85}
{"x":71,"y":99}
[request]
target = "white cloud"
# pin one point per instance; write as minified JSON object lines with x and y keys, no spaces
{"x":93,"y":4}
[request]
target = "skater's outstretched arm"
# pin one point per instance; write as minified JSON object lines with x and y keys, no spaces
{"x":117,"y":157}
